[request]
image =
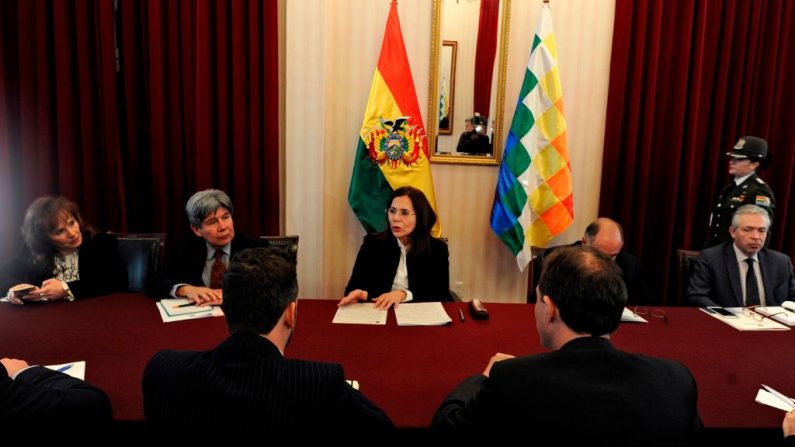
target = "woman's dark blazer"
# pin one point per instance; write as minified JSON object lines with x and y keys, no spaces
{"x":377,"y":262}
{"x":101,"y":268}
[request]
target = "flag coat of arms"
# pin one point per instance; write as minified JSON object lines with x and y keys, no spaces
{"x":392,"y":150}
{"x":533,"y":201}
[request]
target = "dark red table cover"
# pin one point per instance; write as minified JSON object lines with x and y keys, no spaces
{"x":407,"y":371}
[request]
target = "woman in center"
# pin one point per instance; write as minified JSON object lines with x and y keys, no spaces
{"x":403,"y":263}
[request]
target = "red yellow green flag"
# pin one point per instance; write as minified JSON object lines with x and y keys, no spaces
{"x":393,"y":149}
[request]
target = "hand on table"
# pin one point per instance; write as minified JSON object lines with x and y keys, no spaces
{"x":201,"y":296}
{"x":387,"y":300}
{"x":353,"y":297}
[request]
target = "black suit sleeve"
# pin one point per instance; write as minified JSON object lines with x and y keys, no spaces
{"x":356,"y":418}
{"x":184,"y":265}
{"x":17,"y":271}
{"x":465,"y":413}
{"x":48,"y":395}
{"x":375,"y":266}
{"x":700,"y":289}
{"x":102,"y":269}
{"x":429,"y":273}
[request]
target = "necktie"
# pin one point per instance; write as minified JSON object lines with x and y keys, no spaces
{"x":751,"y":287}
{"x":217,"y":273}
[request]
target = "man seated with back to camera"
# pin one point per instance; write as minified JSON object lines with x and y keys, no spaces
{"x":722,"y":276}
{"x":39,"y":404}
{"x":607,"y":236}
{"x":585,"y":390}
{"x":246,"y":391}
{"x":195,"y":268}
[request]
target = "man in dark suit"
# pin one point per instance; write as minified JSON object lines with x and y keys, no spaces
{"x":607,"y":236}
{"x":194,"y":269}
{"x":585,"y":391}
{"x":747,"y":156}
{"x":34,"y":396}
{"x":245,"y":391}
{"x":742,"y":273}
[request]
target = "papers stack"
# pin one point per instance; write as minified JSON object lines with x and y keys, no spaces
{"x":743,"y":322}
{"x":359,"y":313}
{"x":770,"y":397}
{"x":171,"y":310}
{"x":421,"y":314}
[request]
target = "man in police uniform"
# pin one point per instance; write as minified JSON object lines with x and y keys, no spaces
{"x":748,"y":155}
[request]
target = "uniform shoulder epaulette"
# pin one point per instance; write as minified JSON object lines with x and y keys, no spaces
{"x":760,"y":181}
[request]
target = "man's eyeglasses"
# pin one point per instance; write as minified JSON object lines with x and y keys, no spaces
{"x":655,"y":312}
{"x":749,"y":312}
{"x":402,"y":212}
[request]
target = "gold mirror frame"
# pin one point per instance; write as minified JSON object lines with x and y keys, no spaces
{"x":433,"y":96}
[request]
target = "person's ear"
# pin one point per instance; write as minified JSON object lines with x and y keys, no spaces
{"x":196,"y":231}
{"x":550,"y":308}
{"x":290,"y":314}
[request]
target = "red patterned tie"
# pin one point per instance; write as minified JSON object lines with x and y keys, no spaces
{"x":217,"y":273}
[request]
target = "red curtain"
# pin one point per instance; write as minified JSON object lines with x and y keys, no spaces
{"x":193,"y":105}
{"x":484,"y":54}
{"x":687,"y":80}
{"x":58,"y":110}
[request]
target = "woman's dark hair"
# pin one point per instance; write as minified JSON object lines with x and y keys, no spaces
{"x":426,"y":218}
{"x":40,"y":219}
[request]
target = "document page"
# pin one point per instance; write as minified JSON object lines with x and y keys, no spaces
{"x":359,"y":313}
{"x":421,"y":314}
{"x":74,"y":369}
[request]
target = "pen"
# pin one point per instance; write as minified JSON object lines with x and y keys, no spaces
{"x":64,"y":368}
{"x":461,"y":314}
{"x":184,"y":305}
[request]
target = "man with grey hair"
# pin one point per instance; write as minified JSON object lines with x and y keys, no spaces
{"x":743,"y":273}
{"x":196,"y":268}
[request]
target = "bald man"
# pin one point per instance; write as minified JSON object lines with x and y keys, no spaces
{"x":607,"y":236}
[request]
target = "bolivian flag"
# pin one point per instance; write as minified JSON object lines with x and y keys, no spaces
{"x":393,"y":149}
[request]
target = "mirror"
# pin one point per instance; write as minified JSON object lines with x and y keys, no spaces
{"x":467,"y":81}
{"x":447,"y":86}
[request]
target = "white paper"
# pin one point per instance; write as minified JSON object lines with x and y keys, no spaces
{"x":765,"y":398}
{"x":354,"y":384}
{"x":743,"y":322}
{"x":359,"y":313}
{"x":74,"y":369}
{"x":629,"y":317}
{"x":421,"y":314}
{"x":170,"y":313}
{"x":777,"y":313}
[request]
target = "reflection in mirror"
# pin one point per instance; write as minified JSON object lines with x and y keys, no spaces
{"x":447,"y":86}
{"x":469,"y":46}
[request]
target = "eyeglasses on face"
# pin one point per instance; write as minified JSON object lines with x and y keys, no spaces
{"x":655,"y":312}
{"x":402,"y":212}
